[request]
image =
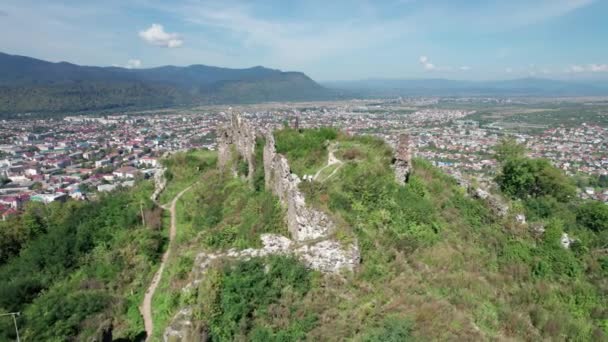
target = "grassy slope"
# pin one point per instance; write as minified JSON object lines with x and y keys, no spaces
{"x":219,"y":212}
{"x":436,"y":264}
{"x":434,"y":257}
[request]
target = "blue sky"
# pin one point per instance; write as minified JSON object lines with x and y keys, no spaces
{"x":328,"y":39}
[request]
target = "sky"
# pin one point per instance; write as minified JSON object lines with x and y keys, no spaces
{"x":326,"y":39}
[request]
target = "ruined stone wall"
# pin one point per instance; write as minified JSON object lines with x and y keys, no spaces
{"x":310,"y":229}
{"x":403,"y":159}
{"x":240,"y":135}
{"x":304,"y":223}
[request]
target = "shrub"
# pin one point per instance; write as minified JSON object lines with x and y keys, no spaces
{"x":593,"y":215}
{"x":241,"y":294}
{"x":392,"y":329}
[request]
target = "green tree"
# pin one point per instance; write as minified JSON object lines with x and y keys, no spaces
{"x":593,"y":215}
{"x":508,"y":149}
{"x":526,"y":177}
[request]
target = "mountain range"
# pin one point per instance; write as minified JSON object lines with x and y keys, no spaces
{"x":33,"y":85}
{"x":29,"y":85}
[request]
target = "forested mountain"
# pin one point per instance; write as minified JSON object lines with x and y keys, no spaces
{"x":32,"y":85}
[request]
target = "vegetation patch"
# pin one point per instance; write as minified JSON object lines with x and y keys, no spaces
{"x":83,"y":268}
{"x":306,"y":149}
{"x":256,"y":300}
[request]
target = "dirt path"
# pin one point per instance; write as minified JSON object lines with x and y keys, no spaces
{"x":331,"y":160}
{"x":146,"y":306}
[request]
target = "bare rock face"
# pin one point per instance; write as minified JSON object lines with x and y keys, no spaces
{"x":403,"y":159}
{"x":182,"y":328}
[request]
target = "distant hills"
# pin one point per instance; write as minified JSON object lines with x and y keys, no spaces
{"x":444,"y":87}
{"x":29,"y":85}
{"x":33,"y":85}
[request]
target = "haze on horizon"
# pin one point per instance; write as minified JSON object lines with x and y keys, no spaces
{"x":339,"y":40}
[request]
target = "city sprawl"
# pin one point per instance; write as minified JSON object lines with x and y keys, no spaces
{"x":49,"y":160}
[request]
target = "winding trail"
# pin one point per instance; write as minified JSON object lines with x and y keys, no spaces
{"x":146,"y":306}
{"x":331,"y":160}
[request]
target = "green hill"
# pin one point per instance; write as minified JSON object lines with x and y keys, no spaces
{"x":436,"y":262}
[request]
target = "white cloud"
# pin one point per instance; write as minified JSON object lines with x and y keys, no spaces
{"x":598,"y":67}
{"x":465,"y":68}
{"x":156,"y":35}
{"x":588,"y":68}
{"x":424,"y":60}
{"x":287,"y":43}
{"x":133,"y":64}
{"x":509,"y":70}
{"x":577,"y":68}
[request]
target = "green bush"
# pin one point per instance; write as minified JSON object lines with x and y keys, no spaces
{"x":236,"y":300}
{"x":525,"y":177}
{"x":392,"y":329}
{"x":593,"y":215}
{"x":86,"y":256}
{"x":307,"y":149}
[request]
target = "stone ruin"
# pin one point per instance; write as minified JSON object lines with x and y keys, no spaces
{"x":240,"y":135}
{"x":310,"y":229}
{"x":402,"y":160}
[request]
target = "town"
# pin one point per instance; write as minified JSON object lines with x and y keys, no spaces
{"x":48,"y":160}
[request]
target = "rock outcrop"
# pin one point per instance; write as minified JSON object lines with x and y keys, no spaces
{"x":402,"y":162}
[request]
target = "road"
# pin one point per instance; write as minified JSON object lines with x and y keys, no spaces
{"x":146,"y":306}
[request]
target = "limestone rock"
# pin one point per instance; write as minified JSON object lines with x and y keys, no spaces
{"x":159,"y":183}
{"x":329,"y":256}
{"x":566,"y":241}
{"x":494,"y":202}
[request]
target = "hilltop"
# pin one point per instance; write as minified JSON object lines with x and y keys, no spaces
{"x":434,"y":260}
{"x":313,"y":234}
{"x":33,"y":85}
